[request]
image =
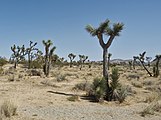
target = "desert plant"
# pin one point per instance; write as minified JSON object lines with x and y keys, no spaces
{"x":18,"y":54}
{"x":134,"y":61}
{"x":61,"y":77}
{"x":8,"y":109}
{"x":121,"y":94}
{"x":130,"y":64}
{"x":30,"y":52}
{"x":141,"y":59}
{"x":74,"y":98}
{"x":156,"y":67}
{"x":151,"y":109}
{"x":105,"y":29}
{"x":71,"y":57}
{"x":99,"y":88}
{"x":84,"y":86}
{"x":48,"y":56}
{"x":82,"y":59}
{"x":114,"y":84}
{"x":3,"y":61}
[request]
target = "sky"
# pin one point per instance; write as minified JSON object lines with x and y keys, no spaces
{"x":64,"y":21}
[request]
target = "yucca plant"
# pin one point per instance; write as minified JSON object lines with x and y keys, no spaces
{"x":114,"y":84}
{"x":99,"y":88}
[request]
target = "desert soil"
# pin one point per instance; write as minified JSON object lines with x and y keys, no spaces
{"x":41,"y":98}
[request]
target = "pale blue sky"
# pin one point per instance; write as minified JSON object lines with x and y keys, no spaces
{"x":64,"y":21}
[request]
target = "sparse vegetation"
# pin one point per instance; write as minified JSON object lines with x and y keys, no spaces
{"x":8,"y":109}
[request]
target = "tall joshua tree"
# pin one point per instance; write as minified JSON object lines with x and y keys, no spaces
{"x":82,"y":58}
{"x":29,"y":52}
{"x":134,"y":61}
{"x":18,"y":54}
{"x":48,"y":55}
{"x":71,"y":57}
{"x":156,"y":67}
{"x":141,"y":58}
{"x":111,"y":32}
{"x":109,"y":56}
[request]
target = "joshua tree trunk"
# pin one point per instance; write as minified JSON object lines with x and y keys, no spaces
{"x":105,"y":65}
{"x":71,"y":63}
{"x":105,"y":72}
{"x":29,"y":61}
{"x":15,"y":64}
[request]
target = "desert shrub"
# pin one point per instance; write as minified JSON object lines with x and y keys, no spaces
{"x":148,"y":82}
{"x":35,"y":72}
{"x":85,"y":86}
{"x":8,"y":109}
{"x":73,"y":98}
{"x":121,"y":94}
{"x":11,"y":78}
{"x":61,"y":77}
{"x":99,"y":88}
{"x":3,"y":61}
{"x":133,"y":76}
{"x":1,"y":70}
{"x":137,"y":84}
{"x":152,"y":97}
{"x":151,"y":109}
{"x":37,"y":65}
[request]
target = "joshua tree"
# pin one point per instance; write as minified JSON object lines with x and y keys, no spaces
{"x":48,"y":55}
{"x":156,"y":67}
{"x":105,"y":29}
{"x":130,"y":64}
{"x":134,"y":61}
{"x":30,"y":52}
{"x":141,"y":59}
{"x":18,"y":54}
{"x":82,"y":58}
{"x":71,"y":57}
{"x":109,"y":56}
{"x":148,"y":59}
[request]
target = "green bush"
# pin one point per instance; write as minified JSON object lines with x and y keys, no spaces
{"x":99,"y":88}
{"x":3,"y":61}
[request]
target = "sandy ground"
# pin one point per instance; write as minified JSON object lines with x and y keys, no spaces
{"x":40,"y":98}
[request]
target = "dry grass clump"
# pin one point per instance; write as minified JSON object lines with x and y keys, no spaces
{"x":61,"y":77}
{"x":85,"y":86}
{"x":133,"y":76}
{"x":8,"y":109}
{"x":11,"y":78}
{"x":151,"y":109}
{"x":152,"y":97}
{"x":137,"y":84}
{"x":74,"y":98}
{"x":148,"y":82}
